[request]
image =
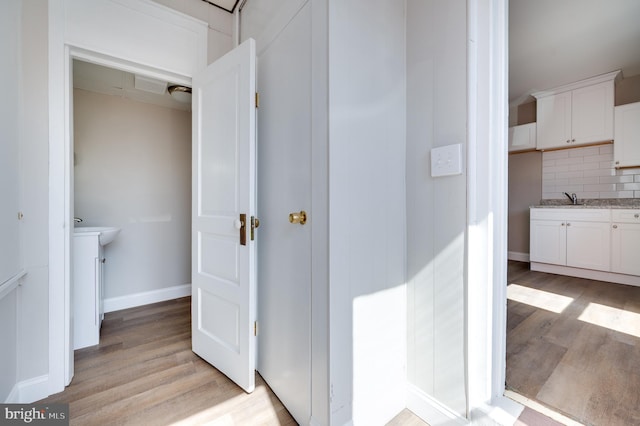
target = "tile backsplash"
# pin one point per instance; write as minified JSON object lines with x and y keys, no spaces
{"x":588,"y":172}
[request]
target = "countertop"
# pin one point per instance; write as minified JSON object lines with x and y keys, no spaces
{"x":592,"y":203}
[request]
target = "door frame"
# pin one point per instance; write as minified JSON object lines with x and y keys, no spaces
{"x":99,"y":48}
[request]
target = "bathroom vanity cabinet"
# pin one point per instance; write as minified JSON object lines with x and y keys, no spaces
{"x":88,"y":273}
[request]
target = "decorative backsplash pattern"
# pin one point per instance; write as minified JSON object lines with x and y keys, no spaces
{"x":589,"y":172}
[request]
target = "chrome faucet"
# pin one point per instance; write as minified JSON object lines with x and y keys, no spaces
{"x":573,"y":197}
{"x":77,"y":220}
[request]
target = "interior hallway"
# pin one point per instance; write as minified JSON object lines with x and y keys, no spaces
{"x":144,"y":372}
{"x":574,"y":345}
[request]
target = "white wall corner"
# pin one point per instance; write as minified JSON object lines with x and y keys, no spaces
{"x":30,"y":390}
{"x":146,"y":297}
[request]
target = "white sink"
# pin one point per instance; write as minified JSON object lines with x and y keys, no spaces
{"x":107,"y":233}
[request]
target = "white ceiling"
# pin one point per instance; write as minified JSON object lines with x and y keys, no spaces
{"x":228,"y":5}
{"x":554,"y":42}
{"x":109,"y":81}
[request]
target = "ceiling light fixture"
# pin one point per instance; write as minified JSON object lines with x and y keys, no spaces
{"x":180,"y":93}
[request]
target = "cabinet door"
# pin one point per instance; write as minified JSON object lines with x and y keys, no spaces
{"x":588,"y":245}
{"x":522,"y":137}
{"x":548,"y":242}
{"x":626,"y":146}
{"x":592,"y":114}
{"x":554,"y":121}
{"x":625,"y":246}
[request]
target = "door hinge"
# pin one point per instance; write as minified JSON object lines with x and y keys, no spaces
{"x":255,"y":328}
{"x":257,"y":100}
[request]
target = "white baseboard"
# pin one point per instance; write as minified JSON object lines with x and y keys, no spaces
{"x":430,"y":410}
{"x":146,"y":298}
{"x":586,"y":273}
{"x":520,"y":257}
{"x":28,"y":391}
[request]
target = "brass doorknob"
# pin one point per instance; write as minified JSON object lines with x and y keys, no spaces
{"x":300,"y":218}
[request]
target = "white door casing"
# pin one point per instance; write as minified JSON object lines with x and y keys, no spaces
{"x":224,"y":184}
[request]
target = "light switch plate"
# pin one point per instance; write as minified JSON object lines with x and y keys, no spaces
{"x":446,"y":160}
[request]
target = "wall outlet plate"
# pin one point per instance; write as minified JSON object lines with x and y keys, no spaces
{"x":446,"y":160}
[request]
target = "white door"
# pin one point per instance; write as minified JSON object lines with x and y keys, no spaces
{"x":284,"y":171}
{"x":223,"y":254}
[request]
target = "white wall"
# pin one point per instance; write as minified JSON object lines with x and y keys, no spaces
{"x":9,"y":142}
{"x":9,"y":231}
{"x":367,"y":210}
{"x":221,"y":30}
{"x":133,"y":171}
{"x":33,"y":332}
{"x":436,"y":207}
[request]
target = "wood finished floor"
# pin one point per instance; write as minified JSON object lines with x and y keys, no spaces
{"x":143,"y":372}
{"x":562,"y":359}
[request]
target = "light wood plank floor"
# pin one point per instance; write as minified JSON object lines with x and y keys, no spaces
{"x":574,"y":345}
{"x":144,"y":373}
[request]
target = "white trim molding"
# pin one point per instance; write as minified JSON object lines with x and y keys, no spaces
{"x":28,"y":391}
{"x":102,"y":31}
{"x":517,"y":256}
{"x":146,"y":297}
{"x":429,"y":409}
{"x":591,"y":274}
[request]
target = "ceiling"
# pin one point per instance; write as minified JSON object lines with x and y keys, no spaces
{"x":228,"y":5}
{"x":551,"y":43}
{"x":554,"y":42}
{"x":109,"y":81}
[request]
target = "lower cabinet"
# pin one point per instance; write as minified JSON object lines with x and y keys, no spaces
{"x":625,"y":241}
{"x":87,"y":290}
{"x":579,"y":238}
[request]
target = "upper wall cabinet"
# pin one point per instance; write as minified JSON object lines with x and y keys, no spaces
{"x":576,"y":114}
{"x":522,"y":137}
{"x":626,"y":148}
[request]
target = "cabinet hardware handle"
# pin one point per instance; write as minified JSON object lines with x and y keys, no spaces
{"x":568,"y":141}
{"x":636,"y":215}
{"x":562,"y":224}
{"x":573,"y":140}
{"x":615,"y":226}
{"x":568,"y":224}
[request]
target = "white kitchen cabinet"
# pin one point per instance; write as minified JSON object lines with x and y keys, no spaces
{"x":548,"y":241}
{"x":626,"y":145}
{"x":88,"y":275}
{"x":574,"y":237}
{"x":625,"y":241}
{"x":577,"y":114}
{"x":522,"y":137}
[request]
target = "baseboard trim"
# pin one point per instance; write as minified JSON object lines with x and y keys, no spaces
{"x":430,"y":410}
{"x":517,"y":256}
{"x":30,"y":390}
{"x":586,"y":273}
{"x":146,"y":297}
